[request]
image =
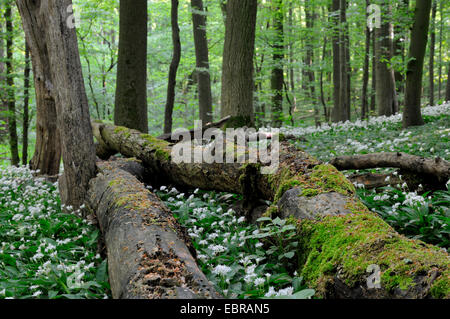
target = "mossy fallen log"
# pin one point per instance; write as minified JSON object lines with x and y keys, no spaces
{"x":340,"y":238}
{"x":148,"y":252}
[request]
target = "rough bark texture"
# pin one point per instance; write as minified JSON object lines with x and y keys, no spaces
{"x":11,"y":99}
{"x":385,"y":88}
{"x":47,"y":152}
{"x":170,"y":102}
{"x":438,"y":167}
{"x":237,"y":75}
{"x":67,"y":87}
{"x":412,"y":114}
{"x":131,"y":88}
{"x":365,"y":98}
{"x":340,"y":237}
{"x":202,"y":58}
{"x":148,"y":251}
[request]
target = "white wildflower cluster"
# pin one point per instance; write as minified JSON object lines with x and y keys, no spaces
{"x":44,"y":242}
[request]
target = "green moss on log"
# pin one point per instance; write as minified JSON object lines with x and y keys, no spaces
{"x":161,"y":148}
{"x":346,"y":245}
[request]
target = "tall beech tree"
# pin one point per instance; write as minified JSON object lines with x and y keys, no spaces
{"x":176,"y":56}
{"x":131,"y":87}
{"x":419,"y":35}
{"x":447,"y":90}
{"x":277,"y":79}
{"x":237,"y":71}
{"x":341,"y":62}
{"x":387,"y":103}
{"x":202,"y":58}
{"x":10,"y":95}
{"x":49,"y":33}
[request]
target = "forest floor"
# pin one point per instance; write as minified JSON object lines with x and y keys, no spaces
{"x":47,"y":254}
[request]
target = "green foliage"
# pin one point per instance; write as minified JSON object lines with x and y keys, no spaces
{"x":45,"y":253}
{"x":242,"y":260}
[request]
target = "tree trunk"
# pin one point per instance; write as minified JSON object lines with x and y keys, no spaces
{"x":447,"y":90}
{"x":432,"y":45}
{"x":202,"y":57}
{"x":386,"y":93}
{"x":374,"y":75}
{"x":412,"y":114}
{"x":47,"y":152}
{"x":310,"y":16}
{"x":277,"y":79}
{"x":11,"y":99}
{"x":438,"y":168}
{"x":26,"y":102}
{"x":441,"y":26}
{"x":131,"y":87}
{"x":173,"y":68}
{"x":49,"y":33}
{"x":149,"y":253}
{"x":365,"y":99}
{"x":330,"y":219}
{"x":237,"y":74}
{"x":336,"y":111}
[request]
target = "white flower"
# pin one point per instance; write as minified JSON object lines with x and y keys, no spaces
{"x":259,"y":281}
{"x":221,"y":270}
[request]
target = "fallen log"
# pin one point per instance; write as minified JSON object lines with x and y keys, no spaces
{"x":371,"y":181}
{"x":148,"y":252}
{"x":340,"y":238}
{"x":438,"y":168}
{"x":168,"y":136}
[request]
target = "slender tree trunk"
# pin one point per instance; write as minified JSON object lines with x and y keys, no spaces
{"x":26,"y":102}
{"x":173,"y":68}
{"x":334,"y":19}
{"x":432,"y":45}
{"x":419,"y":35}
{"x":373,"y":95}
{"x":12,"y":125}
{"x":344,"y":94}
{"x":365,"y":99}
{"x":48,"y":31}
{"x":441,"y":25}
{"x":277,"y":79}
{"x":309,"y":17}
{"x":386,"y":93}
{"x":291,"y":61}
{"x":202,"y":57}
{"x":131,"y":88}
{"x":237,"y":75}
{"x":447,"y":90}
{"x":3,"y":93}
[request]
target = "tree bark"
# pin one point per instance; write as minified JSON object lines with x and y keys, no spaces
{"x":438,"y":167}
{"x":237,"y":75}
{"x":131,"y":87}
{"x":447,"y":90}
{"x":173,"y":68}
{"x":49,"y":34}
{"x":412,"y":114}
{"x":10,"y":90}
{"x":365,"y":98}
{"x":387,"y":103}
{"x":26,"y":102}
{"x":202,"y":58}
{"x":340,"y":237}
{"x":374,"y":75}
{"x":149,"y":253}
{"x":277,"y":79}
{"x":432,"y":50}
{"x":47,"y":152}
